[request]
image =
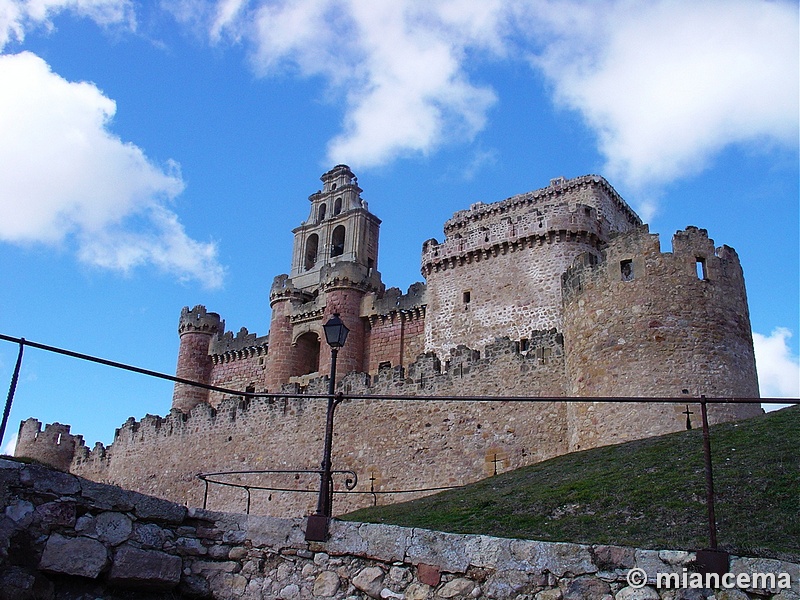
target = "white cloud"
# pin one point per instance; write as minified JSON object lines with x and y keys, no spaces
{"x":778,"y":368}
{"x":10,"y":446}
{"x":65,"y":177}
{"x":17,"y":16}
{"x":664,"y":84}
{"x":399,"y":66}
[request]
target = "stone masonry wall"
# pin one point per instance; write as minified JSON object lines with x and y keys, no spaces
{"x":498,"y":272}
{"x":448,"y":442}
{"x":65,"y":538}
{"x":645,"y":323}
{"x":396,"y":327}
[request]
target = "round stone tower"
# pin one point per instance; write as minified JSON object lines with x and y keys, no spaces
{"x":642,"y":323}
{"x":54,"y":446}
{"x":196,"y":328}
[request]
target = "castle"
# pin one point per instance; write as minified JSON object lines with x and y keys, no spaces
{"x":559,"y":292}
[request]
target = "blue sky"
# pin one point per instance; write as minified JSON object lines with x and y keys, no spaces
{"x":157,"y":155}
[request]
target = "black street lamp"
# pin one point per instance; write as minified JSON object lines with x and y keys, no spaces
{"x":317,"y":527}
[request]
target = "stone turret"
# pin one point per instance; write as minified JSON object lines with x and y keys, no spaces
{"x":642,"y":323}
{"x":196,"y":328}
{"x":55,"y":446}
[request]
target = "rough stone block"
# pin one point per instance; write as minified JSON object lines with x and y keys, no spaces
{"x":326,"y":584}
{"x":106,"y":497}
{"x":57,"y":513}
{"x":554,"y":557}
{"x":269,"y":531}
{"x":457,"y":588}
{"x":491,"y":552}
{"x":21,"y":512}
{"x":444,"y":550}
{"x":150,"y":535}
{"x":387,"y":542}
{"x":429,"y":574}
{"x":345,"y":538}
{"x":370,"y":581}
{"x":609,"y":558}
{"x":586,"y":588}
{"x":145,"y":569}
{"x":49,"y":481}
{"x":74,"y":556}
{"x":113,"y":528}
{"x":156,"y":509}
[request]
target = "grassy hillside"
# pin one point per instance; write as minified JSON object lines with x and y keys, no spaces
{"x":648,"y":493}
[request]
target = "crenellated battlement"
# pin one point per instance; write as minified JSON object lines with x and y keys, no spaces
{"x":393,"y":302}
{"x":54,"y":445}
{"x":463,"y":372}
{"x":226,"y":348}
{"x":542,"y":226}
{"x":198,"y":320}
{"x":636,"y":256}
{"x":587,"y":187}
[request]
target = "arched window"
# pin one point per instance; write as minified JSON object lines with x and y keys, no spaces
{"x":337,"y":241}
{"x":312,"y":246}
{"x":337,"y":206}
{"x":321,"y":213}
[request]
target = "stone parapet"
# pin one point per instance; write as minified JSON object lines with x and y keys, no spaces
{"x":227,"y":347}
{"x":558,"y":188}
{"x":61,"y":534}
{"x":198,"y":320}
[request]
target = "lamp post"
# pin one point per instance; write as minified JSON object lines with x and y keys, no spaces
{"x":317,"y":527}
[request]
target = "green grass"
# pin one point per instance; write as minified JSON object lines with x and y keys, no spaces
{"x":648,"y":493}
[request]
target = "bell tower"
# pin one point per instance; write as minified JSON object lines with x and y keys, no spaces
{"x":339,"y":229}
{"x":334,"y":265}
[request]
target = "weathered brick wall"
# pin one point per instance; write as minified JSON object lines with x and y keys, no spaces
{"x":239,"y":363}
{"x":345,"y":300}
{"x":65,"y":537}
{"x":656,"y":328}
{"x":237,"y":373}
{"x":280,"y":362}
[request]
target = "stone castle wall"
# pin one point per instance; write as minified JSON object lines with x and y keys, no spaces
{"x":498,"y":272}
{"x":54,"y":445}
{"x":63,"y":536}
{"x":238,"y":363}
{"x":448,"y":442}
{"x":645,"y":323}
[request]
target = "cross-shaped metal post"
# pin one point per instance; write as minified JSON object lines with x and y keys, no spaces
{"x":495,"y":460}
{"x":688,"y":412}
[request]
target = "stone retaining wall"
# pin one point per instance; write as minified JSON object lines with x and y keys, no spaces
{"x":66,"y":538}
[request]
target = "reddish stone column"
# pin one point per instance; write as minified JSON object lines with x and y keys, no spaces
{"x":196,"y":328}
{"x":347,"y":303}
{"x":281,"y":354}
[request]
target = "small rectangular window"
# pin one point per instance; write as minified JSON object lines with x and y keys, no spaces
{"x":524,"y":344}
{"x":626,"y":270}
{"x":467,"y":297}
{"x":700,"y":264}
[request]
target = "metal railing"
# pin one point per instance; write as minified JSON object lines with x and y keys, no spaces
{"x":350,"y":483}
